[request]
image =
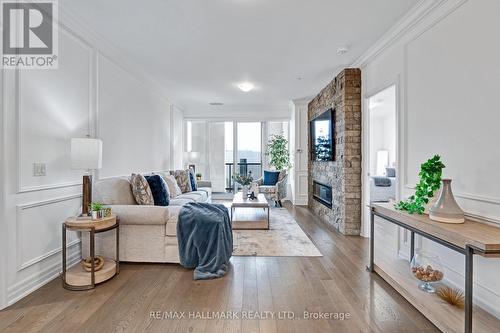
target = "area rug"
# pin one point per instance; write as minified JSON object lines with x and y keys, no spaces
{"x":283,"y":239}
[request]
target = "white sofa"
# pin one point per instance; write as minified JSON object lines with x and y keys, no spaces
{"x":147,"y":233}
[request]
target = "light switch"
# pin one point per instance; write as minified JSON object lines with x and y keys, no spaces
{"x":39,"y":169}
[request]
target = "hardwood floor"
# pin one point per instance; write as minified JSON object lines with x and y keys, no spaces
{"x":279,"y":286}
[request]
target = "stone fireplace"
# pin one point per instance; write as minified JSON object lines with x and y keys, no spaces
{"x":339,"y":181}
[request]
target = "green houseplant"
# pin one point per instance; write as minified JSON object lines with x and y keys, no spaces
{"x":277,"y":149}
{"x":430,"y":181}
{"x":97,"y":210}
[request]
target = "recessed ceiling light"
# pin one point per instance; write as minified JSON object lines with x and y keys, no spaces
{"x":216,"y":103}
{"x":300,"y":78}
{"x":246,"y":86}
{"x":342,"y":50}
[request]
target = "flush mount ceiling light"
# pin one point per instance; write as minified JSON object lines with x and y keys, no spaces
{"x":246,"y":86}
{"x":342,"y":50}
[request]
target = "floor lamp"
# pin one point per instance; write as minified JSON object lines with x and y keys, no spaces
{"x":86,"y":154}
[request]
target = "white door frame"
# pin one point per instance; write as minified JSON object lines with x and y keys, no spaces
{"x":365,"y":137}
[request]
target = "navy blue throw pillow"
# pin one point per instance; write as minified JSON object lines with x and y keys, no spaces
{"x":192,"y":180}
{"x":159,"y":190}
{"x":270,"y":178}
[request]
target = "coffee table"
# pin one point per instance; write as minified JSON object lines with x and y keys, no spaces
{"x":247,"y":214}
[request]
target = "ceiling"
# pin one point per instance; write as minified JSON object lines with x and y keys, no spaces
{"x":199,"y":50}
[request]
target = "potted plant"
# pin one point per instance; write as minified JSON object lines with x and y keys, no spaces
{"x":245,"y":181}
{"x":277,"y":149}
{"x":425,"y":191}
{"x":97,"y":210}
{"x":198,"y":176}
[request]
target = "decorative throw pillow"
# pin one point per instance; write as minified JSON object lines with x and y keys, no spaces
{"x":270,"y":178}
{"x":192,"y":180}
{"x":141,"y":191}
{"x":159,"y":190}
{"x":173,"y":188}
{"x":182,"y":178}
{"x":390,"y":172}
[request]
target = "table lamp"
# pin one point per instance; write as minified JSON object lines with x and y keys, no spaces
{"x":86,"y":154}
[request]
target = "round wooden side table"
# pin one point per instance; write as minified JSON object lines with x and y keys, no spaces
{"x":76,"y":278}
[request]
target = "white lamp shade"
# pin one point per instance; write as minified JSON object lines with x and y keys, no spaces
{"x":86,"y":153}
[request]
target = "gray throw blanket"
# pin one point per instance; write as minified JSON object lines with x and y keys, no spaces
{"x":205,"y":239}
{"x":382,"y":181}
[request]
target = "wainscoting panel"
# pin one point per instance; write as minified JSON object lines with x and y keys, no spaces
{"x":53,"y":106}
{"x":43,"y":219}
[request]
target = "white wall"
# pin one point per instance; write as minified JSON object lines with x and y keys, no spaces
{"x":95,"y":92}
{"x":446,"y":65}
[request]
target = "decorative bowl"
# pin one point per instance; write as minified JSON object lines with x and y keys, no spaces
{"x":428,"y":269}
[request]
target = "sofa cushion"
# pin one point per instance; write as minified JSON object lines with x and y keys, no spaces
{"x":141,"y":191}
{"x":113,"y":191}
{"x":142,"y":214}
{"x":271,"y":177}
{"x":197,"y":196}
{"x":178,"y":201}
{"x":159,"y":189}
{"x":182,"y":178}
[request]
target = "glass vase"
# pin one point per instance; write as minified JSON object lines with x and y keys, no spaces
{"x":426,"y":268}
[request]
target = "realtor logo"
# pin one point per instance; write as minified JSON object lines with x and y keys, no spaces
{"x":29,"y":34}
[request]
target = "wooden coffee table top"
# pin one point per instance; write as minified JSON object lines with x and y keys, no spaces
{"x":259,"y":202}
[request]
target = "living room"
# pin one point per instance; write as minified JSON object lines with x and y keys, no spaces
{"x":345,"y":120}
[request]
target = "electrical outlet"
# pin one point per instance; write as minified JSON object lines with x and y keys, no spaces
{"x":39,"y":169}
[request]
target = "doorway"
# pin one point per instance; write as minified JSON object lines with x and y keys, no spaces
{"x":380,"y":148}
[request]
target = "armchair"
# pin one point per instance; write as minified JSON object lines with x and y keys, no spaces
{"x":274,"y":192}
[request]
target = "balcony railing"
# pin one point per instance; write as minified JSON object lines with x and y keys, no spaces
{"x":243,"y":168}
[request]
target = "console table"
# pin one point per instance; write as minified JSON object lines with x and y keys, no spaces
{"x":469,"y":238}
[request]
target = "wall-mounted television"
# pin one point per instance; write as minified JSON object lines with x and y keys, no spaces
{"x":322,"y":129}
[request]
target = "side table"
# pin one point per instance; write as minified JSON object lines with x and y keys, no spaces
{"x":76,"y":278}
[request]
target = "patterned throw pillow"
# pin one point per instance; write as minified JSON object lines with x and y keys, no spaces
{"x":182,"y":178}
{"x":141,"y":191}
{"x":159,"y":190}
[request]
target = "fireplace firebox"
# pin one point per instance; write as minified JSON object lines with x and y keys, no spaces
{"x":322,"y":193}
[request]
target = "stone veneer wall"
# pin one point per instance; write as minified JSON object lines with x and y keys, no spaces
{"x":343,"y":94}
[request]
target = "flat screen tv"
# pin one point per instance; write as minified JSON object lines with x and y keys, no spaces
{"x":322,"y":129}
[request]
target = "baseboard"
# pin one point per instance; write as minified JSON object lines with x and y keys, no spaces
{"x":39,"y":279}
{"x":300,"y":202}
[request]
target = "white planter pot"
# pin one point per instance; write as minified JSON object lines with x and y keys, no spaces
{"x":244,"y":191}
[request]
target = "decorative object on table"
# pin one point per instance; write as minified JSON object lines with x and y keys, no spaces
{"x":107,"y":211}
{"x":252,"y":196}
{"x":426,"y":268}
{"x":98,"y":263}
{"x":244,"y":181}
{"x":86,"y":154}
{"x":452,"y":296}
{"x":446,"y":208}
{"x":97,"y":210}
{"x":198,"y":176}
{"x":430,"y":181}
{"x":277,"y":149}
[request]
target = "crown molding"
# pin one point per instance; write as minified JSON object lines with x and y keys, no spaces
{"x":407,"y":22}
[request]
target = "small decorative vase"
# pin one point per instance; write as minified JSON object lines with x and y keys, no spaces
{"x":244,"y":191}
{"x":97,"y":214}
{"x":446,"y":208}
